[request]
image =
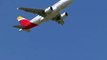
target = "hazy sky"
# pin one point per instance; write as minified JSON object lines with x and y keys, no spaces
{"x":83,"y":36}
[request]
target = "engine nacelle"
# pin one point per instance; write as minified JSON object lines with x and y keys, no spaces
{"x":48,"y":10}
{"x":64,"y":15}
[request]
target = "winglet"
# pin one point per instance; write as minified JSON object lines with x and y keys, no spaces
{"x":17,"y":8}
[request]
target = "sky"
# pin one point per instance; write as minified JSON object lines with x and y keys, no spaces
{"x":82,"y":37}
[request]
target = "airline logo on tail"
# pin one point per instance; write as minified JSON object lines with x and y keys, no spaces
{"x":20,"y":18}
{"x":25,"y":24}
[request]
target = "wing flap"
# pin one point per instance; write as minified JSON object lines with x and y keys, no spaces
{"x":58,"y":19}
{"x":34,"y":11}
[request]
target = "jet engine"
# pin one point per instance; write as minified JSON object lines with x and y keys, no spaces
{"x":64,"y":15}
{"x":49,"y":10}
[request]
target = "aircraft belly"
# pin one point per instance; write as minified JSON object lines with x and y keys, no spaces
{"x":49,"y":17}
{"x":39,"y":19}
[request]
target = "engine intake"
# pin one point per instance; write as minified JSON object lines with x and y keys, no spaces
{"x":49,"y":10}
{"x":64,"y":15}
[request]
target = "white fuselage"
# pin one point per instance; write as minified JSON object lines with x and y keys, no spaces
{"x":57,"y":7}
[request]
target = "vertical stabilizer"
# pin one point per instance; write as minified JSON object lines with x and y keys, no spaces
{"x":23,"y":21}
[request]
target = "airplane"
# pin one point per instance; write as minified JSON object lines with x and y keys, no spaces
{"x":50,"y":13}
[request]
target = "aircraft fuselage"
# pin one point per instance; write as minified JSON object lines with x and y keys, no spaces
{"x":57,"y":7}
{"x":52,"y":12}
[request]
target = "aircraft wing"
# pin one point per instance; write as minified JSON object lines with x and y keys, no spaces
{"x":34,"y":11}
{"x":58,"y":19}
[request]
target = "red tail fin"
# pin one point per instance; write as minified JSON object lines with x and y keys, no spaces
{"x":23,"y":21}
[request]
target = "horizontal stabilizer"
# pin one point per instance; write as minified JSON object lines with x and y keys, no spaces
{"x":18,"y":26}
{"x":21,"y":28}
{"x":34,"y":11}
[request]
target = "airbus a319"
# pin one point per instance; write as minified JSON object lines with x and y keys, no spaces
{"x":50,"y":13}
